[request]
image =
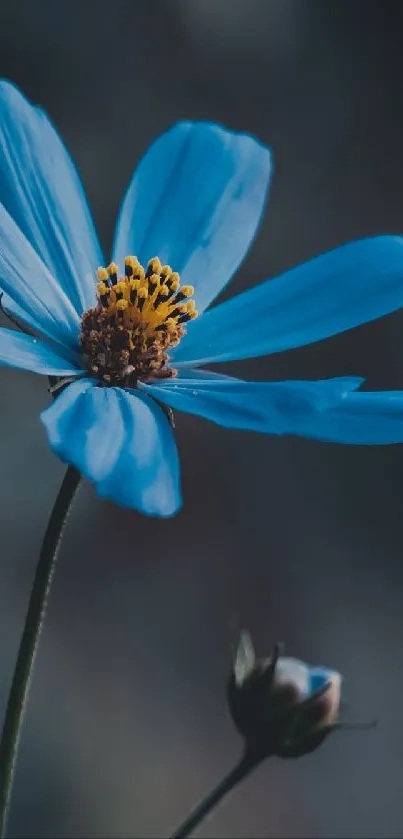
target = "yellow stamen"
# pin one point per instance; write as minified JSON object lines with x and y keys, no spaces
{"x":134,"y":286}
{"x":121,"y":289}
{"x":153,"y":283}
{"x":121,"y":311}
{"x":154,"y":266}
{"x":122,"y":305}
{"x":142,"y":295}
{"x":164,"y":290}
{"x":139,"y":318}
{"x":132,"y":266}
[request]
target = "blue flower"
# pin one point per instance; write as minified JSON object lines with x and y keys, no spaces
{"x":118,"y":344}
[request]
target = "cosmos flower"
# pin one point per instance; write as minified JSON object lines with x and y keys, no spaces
{"x":126,"y":342}
{"x":281,"y":705}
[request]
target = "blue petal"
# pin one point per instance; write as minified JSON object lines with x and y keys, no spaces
{"x":192,"y":373}
{"x":336,"y":291}
{"x":195,"y":201}
{"x":295,"y":672}
{"x":120,"y":441}
{"x":26,"y":281}
{"x":40,"y":188}
{"x":27,"y":353}
{"x":319,"y":677}
{"x":269,"y":407}
{"x":360,"y":418}
{"x":18,"y":314}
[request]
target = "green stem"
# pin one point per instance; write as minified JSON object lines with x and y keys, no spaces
{"x":248,"y":762}
{"x":17,"y":699}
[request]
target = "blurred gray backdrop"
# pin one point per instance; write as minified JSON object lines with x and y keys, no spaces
{"x":299,"y":541}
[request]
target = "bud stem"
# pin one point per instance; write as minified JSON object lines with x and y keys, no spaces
{"x":248,"y":762}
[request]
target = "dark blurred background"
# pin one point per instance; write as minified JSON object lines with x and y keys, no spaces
{"x":300,"y":541}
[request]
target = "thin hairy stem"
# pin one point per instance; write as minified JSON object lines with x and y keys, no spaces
{"x":17,"y":699}
{"x":248,"y":762}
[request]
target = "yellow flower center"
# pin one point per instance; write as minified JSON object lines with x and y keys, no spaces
{"x":137,"y":320}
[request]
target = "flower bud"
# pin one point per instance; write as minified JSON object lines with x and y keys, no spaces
{"x":281,"y":705}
